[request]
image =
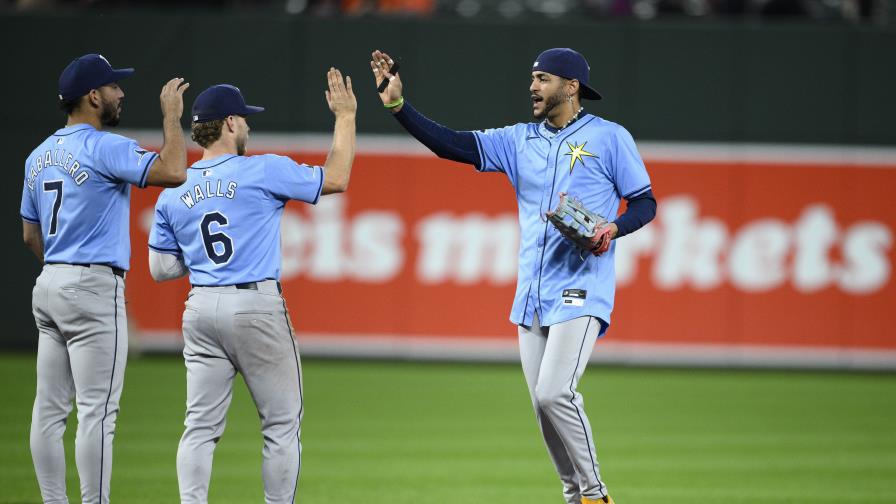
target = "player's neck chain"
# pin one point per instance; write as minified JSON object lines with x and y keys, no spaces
{"x":571,"y":120}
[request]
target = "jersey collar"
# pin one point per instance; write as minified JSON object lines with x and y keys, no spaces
{"x":68,"y":130}
{"x":208,"y":163}
{"x":546,"y":132}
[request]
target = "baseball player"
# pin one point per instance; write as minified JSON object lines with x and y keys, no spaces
{"x":223,"y":228}
{"x":75,"y":218}
{"x":563,"y":299}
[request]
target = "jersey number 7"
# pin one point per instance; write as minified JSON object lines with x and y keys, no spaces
{"x":54,"y":186}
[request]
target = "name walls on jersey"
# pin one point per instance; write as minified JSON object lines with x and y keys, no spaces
{"x":680,"y":249}
{"x":208,"y":189}
{"x":59,"y":158}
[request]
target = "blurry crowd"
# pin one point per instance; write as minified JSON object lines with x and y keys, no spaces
{"x":846,"y":10}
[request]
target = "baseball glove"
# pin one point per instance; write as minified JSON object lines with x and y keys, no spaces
{"x":586,"y":230}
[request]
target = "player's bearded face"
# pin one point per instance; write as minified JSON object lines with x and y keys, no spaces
{"x":110,"y":105}
{"x":550,"y":103}
{"x":111,"y":113}
{"x":242,"y":137}
{"x":547,"y":93}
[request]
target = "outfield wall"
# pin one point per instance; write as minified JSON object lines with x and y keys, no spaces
{"x":684,"y":80}
{"x":760,"y":255}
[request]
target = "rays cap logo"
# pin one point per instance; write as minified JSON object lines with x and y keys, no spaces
{"x":87,"y":72}
{"x":220,"y":101}
{"x":569,"y":64}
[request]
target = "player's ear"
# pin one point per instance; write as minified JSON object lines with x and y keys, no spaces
{"x":572,"y":86}
{"x":94,"y":98}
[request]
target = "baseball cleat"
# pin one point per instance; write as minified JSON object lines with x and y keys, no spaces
{"x":602,"y":500}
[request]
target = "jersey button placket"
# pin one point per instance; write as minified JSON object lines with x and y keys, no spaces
{"x":547,"y":194}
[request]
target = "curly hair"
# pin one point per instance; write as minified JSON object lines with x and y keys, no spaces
{"x":69,"y":106}
{"x":206,"y":133}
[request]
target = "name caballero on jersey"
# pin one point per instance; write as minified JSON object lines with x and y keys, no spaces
{"x":60,"y":158}
{"x":211,"y":189}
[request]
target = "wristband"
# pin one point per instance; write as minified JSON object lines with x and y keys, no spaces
{"x":397,"y":103}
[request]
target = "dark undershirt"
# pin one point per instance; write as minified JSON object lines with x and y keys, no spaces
{"x":461,"y":146}
{"x":446,"y":143}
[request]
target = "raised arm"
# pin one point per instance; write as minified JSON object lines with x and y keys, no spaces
{"x":170,"y":169}
{"x":341,"y":100}
{"x":444,"y":142}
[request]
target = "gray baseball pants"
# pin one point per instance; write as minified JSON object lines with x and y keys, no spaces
{"x":554,"y":359}
{"x":229,"y":330}
{"x":81,"y":354}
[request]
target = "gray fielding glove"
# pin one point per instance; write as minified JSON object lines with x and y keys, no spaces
{"x":587,"y":230}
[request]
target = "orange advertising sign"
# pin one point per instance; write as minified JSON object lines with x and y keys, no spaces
{"x":787,"y":253}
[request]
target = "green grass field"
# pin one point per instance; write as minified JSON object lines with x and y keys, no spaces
{"x":377,"y":432}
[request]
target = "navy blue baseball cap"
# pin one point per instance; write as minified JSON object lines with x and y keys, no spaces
{"x":569,"y":64}
{"x":90,"y":71}
{"x":220,"y":101}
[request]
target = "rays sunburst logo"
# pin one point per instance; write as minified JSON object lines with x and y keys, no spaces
{"x":577,"y":153}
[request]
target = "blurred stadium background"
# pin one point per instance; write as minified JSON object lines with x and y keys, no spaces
{"x":766,"y":127}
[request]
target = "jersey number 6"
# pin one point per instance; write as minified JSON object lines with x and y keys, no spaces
{"x":222,"y":253}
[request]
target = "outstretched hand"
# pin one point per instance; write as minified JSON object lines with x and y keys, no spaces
{"x":380,"y":64}
{"x":340,"y":96}
{"x":172,"y":97}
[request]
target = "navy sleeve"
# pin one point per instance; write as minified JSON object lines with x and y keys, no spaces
{"x":641,"y":209}
{"x":444,"y":142}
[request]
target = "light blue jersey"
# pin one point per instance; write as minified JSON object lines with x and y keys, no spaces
{"x":224,"y":221}
{"x":593,"y":160}
{"x":78,"y":188}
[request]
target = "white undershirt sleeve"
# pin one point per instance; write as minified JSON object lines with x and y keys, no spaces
{"x":166,"y":266}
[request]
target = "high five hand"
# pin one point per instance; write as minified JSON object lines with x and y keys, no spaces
{"x":380,"y":64}
{"x":172,"y":97}
{"x":340,"y":97}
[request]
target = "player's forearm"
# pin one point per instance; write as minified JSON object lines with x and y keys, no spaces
{"x":338,"y":167}
{"x":170,"y":170}
{"x":640,"y":210}
{"x":33,"y":239}
{"x":166,"y":266}
{"x":444,"y":142}
{"x":37,"y":247}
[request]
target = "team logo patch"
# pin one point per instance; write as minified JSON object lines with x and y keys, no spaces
{"x":574,"y":297}
{"x":577,"y":153}
{"x":140,"y":153}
